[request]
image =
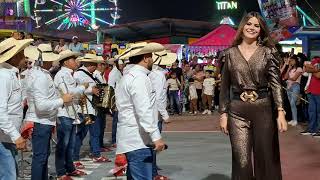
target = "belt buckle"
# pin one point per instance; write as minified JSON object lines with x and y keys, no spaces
{"x":249,"y":96}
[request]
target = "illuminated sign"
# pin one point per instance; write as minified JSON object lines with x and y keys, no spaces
{"x":225,"y":5}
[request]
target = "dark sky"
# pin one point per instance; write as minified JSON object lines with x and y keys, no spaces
{"x":203,"y":10}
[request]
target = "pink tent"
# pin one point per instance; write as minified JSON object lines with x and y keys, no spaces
{"x":221,"y":36}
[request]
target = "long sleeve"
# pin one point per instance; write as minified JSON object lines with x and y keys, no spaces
{"x":143,"y":107}
{"x":42,"y":101}
{"x":225,"y":87}
{"x":80,"y":79}
{"x":161,"y":94}
{"x":63,"y":80}
{"x":274,"y":78}
{"x":6,"y":124}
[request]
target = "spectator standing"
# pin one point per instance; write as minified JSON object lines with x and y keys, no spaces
{"x":193,"y":97}
{"x":313,"y":91}
{"x":208,"y":88}
{"x":174,"y":85}
{"x":76,"y":46}
{"x":198,"y":80}
{"x":61,"y":46}
{"x":293,"y":86}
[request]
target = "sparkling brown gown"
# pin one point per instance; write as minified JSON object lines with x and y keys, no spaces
{"x":252,"y":125}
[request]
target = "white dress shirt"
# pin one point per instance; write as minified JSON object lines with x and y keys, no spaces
{"x":43,"y":98}
{"x":10,"y":103}
{"x":97,"y":74}
{"x":159,"y":83}
{"x":65,"y":78}
{"x":81,"y":78}
{"x":114,"y":77}
{"x":135,"y":100}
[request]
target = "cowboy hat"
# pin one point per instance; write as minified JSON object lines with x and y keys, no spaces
{"x":68,"y":53}
{"x":164,"y":57}
{"x":140,"y":49}
{"x":43,"y":51}
{"x":90,"y":58}
{"x":10,"y":47}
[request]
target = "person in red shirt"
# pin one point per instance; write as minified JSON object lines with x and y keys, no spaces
{"x":314,"y":98}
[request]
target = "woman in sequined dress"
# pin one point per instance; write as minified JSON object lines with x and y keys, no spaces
{"x":251,"y":102}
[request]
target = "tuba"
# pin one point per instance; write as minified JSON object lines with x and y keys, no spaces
{"x":84,"y":110}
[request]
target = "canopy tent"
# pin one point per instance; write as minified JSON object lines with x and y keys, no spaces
{"x":210,"y":44}
{"x":221,"y":36}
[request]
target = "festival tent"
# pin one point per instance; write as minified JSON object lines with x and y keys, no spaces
{"x":210,"y":44}
{"x":221,"y":36}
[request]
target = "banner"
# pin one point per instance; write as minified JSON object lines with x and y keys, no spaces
{"x":280,"y":16}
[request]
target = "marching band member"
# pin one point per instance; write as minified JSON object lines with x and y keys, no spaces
{"x":43,"y":101}
{"x":85,"y":75}
{"x":101,"y":114}
{"x":11,"y":56}
{"x":114,"y":78}
{"x":67,"y":116}
{"x":158,"y":80}
{"x":135,"y":100}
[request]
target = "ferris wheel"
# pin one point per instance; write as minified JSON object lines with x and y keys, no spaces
{"x":65,"y":14}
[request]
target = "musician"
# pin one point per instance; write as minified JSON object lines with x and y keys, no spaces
{"x":114,"y":78}
{"x":67,"y":115}
{"x":98,"y":74}
{"x":43,"y":101}
{"x":85,"y":75}
{"x":135,"y":100}
{"x":158,"y":80}
{"x":11,"y":55}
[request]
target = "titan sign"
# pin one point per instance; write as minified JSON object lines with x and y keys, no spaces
{"x":225,"y":5}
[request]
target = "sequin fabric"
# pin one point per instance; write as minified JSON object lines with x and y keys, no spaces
{"x":252,"y":126}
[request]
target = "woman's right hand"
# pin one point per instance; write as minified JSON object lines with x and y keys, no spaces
{"x":224,"y":123}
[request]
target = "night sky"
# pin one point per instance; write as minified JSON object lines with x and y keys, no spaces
{"x":202,"y":10}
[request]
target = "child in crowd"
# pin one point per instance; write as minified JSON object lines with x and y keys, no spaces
{"x":208,"y":88}
{"x":193,"y":97}
{"x":174,"y":86}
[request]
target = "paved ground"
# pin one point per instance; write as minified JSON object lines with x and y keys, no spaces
{"x":198,"y":151}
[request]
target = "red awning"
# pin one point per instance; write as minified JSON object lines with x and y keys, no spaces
{"x":221,"y":36}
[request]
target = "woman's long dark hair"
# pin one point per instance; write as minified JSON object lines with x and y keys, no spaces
{"x":264,"y":37}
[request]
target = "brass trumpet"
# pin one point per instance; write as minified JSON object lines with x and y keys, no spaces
{"x":84,"y":110}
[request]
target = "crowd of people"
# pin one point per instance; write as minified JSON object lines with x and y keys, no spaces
{"x":56,"y":85}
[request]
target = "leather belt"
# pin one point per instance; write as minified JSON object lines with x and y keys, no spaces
{"x":250,"y":95}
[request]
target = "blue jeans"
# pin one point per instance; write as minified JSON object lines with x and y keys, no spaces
{"x":139,"y":164}
{"x":94,"y":130}
{"x":174,"y":101}
{"x":102,"y":119}
{"x":8,"y":166}
{"x":41,"y":151}
{"x":66,"y":133}
{"x":314,"y":113}
{"x":114,"y":127}
{"x":293,"y":92}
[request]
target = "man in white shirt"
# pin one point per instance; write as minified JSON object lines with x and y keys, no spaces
{"x":158,"y":80}
{"x":76,"y":46}
{"x":67,"y":116}
{"x":135,"y":100}
{"x":85,"y":75}
{"x":114,"y":78}
{"x":11,"y":56}
{"x":61,"y":46}
{"x":44,"y":101}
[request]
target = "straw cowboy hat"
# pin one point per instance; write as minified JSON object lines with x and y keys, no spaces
{"x":10,"y":47}
{"x":140,"y":49}
{"x":68,"y":53}
{"x":90,"y":58}
{"x":42,"y":52}
{"x":164,"y":57}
